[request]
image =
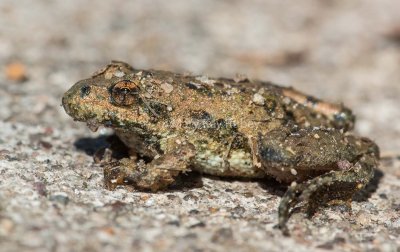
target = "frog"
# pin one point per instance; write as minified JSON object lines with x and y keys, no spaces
{"x":173,"y":123}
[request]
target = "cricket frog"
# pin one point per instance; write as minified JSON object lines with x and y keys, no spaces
{"x":175,"y":123}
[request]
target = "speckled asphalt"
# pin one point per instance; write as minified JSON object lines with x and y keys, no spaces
{"x":51,"y":193}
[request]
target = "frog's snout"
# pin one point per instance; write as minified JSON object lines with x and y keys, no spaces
{"x":64,"y":104}
{"x":65,"y":101}
{"x":73,"y":100}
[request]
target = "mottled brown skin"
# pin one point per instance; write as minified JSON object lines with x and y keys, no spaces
{"x":174,"y":123}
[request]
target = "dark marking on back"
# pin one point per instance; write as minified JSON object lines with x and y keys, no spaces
{"x":271,"y":155}
{"x":312,"y":100}
{"x":160,"y":110}
{"x":201,"y":120}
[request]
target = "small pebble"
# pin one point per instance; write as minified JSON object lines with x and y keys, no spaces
{"x":119,"y":74}
{"x":16,"y":72}
{"x":258,"y":99}
{"x":60,"y":197}
{"x":168,"y":88}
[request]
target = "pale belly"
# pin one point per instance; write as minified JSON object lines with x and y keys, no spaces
{"x":238,"y":164}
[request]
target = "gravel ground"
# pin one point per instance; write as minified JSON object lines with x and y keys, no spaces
{"x":51,"y":193}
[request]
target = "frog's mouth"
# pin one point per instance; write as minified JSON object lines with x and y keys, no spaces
{"x":75,"y":109}
{"x":94,"y":117}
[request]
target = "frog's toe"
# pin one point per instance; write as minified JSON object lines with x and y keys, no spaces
{"x":114,"y":175}
{"x":314,"y":193}
{"x":289,"y":200}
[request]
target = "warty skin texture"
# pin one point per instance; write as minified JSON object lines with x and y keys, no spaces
{"x":173,"y":123}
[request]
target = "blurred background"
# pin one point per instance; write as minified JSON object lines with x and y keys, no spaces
{"x":341,"y":51}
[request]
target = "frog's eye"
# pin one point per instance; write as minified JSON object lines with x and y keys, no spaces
{"x":124,"y":93}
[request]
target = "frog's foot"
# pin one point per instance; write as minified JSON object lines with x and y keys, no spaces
{"x":155,"y":175}
{"x":334,"y":187}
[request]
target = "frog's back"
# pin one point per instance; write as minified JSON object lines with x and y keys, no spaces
{"x":221,"y":118}
{"x":220,"y":104}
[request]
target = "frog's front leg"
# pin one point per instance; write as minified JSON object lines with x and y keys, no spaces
{"x":322,"y":165}
{"x":155,"y":175}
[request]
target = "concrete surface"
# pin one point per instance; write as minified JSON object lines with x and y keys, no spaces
{"x":51,"y":193}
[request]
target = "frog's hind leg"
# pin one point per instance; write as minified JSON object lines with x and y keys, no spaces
{"x":155,"y":175}
{"x":335,"y":186}
{"x":322,"y":165}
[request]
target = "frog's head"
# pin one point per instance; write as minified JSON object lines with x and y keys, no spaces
{"x":115,"y":102}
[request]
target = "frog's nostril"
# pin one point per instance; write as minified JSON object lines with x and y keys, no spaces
{"x":85,"y":91}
